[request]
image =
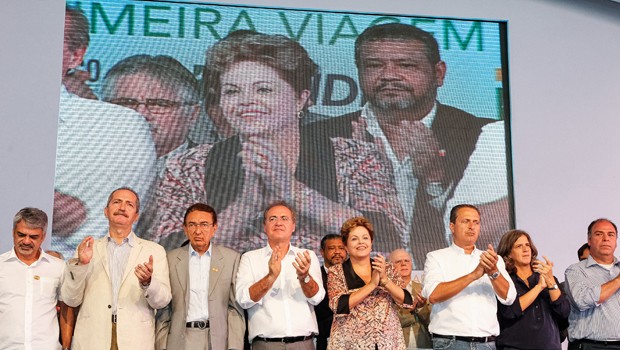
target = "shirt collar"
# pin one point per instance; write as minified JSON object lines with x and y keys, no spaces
{"x":130,"y":239}
{"x":373,"y":124}
{"x":460,"y":250}
{"x":590,"y":261}
{"x":193,"y":252}
{"x":291,"y":250}
{"x":12,"y":256}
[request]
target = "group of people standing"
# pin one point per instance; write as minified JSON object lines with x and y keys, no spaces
{"x":390,"y":172}
{"x":128,"y":293}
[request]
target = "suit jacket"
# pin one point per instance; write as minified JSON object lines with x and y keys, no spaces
{"x":91,"y":287}
{"x":324,"y":316}
{"x":227,"y":323}
{"x":417,"y":320}
{"x":457,"y":133}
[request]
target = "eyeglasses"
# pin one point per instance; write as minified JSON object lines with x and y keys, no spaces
{"x":192,"y":226}
{"x":153,"y":105}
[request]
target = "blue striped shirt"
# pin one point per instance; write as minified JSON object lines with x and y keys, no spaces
{"x":118,"y":254}
{"x":588,"y":319}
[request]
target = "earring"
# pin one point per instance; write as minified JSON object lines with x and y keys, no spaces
{"x":300,"y":114}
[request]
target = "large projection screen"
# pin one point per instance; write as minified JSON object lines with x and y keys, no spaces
{"x":335,"y":172}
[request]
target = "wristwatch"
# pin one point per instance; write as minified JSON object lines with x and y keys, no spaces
{"x":553,"y":287}
{"x":494,"y":276}
{"x":305,"y":279}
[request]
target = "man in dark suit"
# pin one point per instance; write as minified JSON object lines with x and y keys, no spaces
{"x":333,"y":252}
{"x":424,"y":145}
{"x":203,"y":313}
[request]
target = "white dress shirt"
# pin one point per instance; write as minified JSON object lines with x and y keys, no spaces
{"x":404,"y":178}
{"x":100,"y":147}
{"x":199,"y":269}
{"x":473,"y":311}
{"x":28,"y":298}
{"x":284,"y":311}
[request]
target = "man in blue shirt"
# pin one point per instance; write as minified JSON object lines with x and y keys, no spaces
{"x":593,"y":286}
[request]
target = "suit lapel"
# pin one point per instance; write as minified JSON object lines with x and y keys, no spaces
{"x":217,"y":263}
{"x":103,"y":253}
{"x":182,"y":271}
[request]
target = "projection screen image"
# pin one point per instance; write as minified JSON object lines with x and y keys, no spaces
{"x":393,"y":117}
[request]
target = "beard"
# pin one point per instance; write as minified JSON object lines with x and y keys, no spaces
{"x":393,"y":109}
{"x":383,"y":100}
{"x":391,"y":104}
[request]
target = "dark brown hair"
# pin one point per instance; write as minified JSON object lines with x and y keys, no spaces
{"x":352,"y":223}
{"x":508,"y":241}
{"x":286,"y":56}
{"x":200,"y":207}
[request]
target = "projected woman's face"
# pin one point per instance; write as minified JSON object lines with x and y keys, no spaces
{"x":255,"y":100}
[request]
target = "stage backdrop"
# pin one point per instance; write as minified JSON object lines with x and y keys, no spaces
{"x":218,"y":164}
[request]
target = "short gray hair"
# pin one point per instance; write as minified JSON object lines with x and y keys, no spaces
{"x":168,"y":71}
{"x":126,"y":189}
{"x":33,"y":218}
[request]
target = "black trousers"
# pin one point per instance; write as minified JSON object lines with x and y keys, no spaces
{"x":586,"y":345}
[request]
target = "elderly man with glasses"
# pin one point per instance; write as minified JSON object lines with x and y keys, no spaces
{"x":167,"y":95}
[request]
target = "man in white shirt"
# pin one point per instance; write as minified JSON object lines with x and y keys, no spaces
{"x":464,"y":283}
{"x":279,"y":285}
{"x":30,"y":281}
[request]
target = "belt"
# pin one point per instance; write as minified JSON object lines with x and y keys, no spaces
{"x":599,"y":342}
{"x":465,"y":338}
{"x":114,"y":318}
{"x":286,"y":340}
{"x":198,"y":324}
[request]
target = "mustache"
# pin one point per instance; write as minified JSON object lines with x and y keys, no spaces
{"x":393,"y":85}
{"x":121,"y":212}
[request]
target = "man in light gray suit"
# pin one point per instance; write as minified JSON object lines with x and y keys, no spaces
{"x":203,"y":313}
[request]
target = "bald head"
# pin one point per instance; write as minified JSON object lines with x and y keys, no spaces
{"x":402,"y":263}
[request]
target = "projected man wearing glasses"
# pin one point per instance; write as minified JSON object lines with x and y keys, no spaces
{"x":167,"y":94}
{"x":163,"y":91}
{"x":423,"y":144}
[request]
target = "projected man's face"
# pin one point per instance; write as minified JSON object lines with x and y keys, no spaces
{"x":255,"y":100}
{"x":168,"y":114}
{"x":396,"y":74}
